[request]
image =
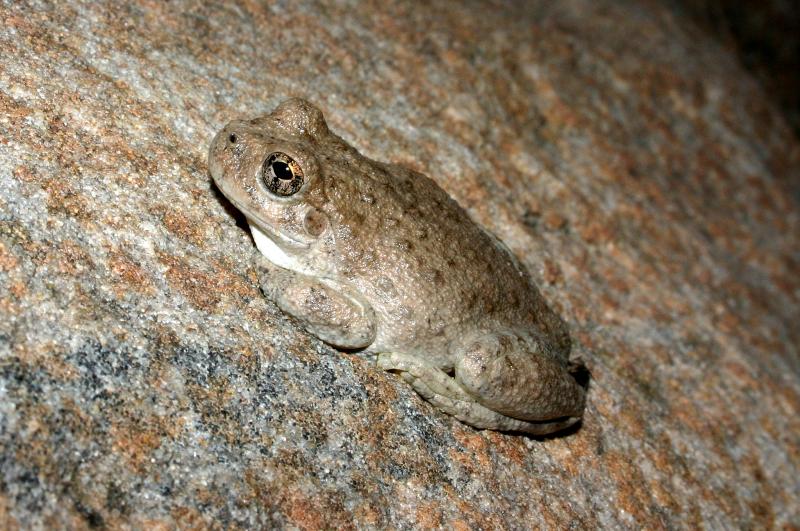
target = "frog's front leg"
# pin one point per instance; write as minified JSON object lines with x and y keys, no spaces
{"x":445,"y":393}
{"x":330,"y":311}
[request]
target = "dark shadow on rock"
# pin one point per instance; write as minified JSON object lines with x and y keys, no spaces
{"x":241,"y":220}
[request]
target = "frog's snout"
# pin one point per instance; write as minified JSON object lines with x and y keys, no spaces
{"x":214,"y":164}
{"x":222,"y":149}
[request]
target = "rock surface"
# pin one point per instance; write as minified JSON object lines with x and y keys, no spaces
{"x":636,"y":169}
{"x":765,"y":35}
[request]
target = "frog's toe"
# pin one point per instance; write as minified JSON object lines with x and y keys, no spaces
{"x":412,"y":368}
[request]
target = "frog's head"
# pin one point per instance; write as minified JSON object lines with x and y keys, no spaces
{"x":267,"y":168}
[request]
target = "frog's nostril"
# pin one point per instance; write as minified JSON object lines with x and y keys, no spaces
{"x":233,"y":138}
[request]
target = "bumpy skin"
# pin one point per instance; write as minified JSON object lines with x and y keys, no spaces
{"x":377,"y":257}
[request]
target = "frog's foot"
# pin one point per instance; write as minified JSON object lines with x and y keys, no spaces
{"x":331,"y":313}
{"x":444,"y":392}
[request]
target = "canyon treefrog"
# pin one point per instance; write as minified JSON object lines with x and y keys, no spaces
{"x":378,"y":258}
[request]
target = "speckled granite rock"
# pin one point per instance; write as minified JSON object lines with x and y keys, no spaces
{"x":628,"y":160}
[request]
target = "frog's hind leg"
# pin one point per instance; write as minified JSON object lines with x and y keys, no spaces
{"x":444,"y":392}
{"x":520,"y":376}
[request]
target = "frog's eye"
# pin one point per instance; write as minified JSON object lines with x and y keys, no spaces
{"x":282,"y":175}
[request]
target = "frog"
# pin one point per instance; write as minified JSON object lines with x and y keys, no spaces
{"x":377,"y":259}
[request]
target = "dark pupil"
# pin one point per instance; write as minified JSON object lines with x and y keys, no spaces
{"x":282,"y":171}
{"x":232,"y":139}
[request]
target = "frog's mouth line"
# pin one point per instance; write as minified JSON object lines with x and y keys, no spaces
{"x":279,"y":239}
{"x":276,"y":237}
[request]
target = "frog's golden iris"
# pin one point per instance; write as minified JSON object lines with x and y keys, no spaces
{"x":281,"y":174}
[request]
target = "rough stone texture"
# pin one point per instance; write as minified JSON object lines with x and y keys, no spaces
{"x":627,"y":158}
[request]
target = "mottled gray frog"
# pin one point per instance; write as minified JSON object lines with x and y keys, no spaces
{"x":377,"y":257}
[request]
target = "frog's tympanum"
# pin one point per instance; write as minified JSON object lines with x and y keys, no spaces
{"x":378,"y":258}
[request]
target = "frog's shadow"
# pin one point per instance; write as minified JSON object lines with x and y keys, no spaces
{"x":232,"y":211}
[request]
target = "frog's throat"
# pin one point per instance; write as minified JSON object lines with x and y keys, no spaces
{"x":272,"y":251}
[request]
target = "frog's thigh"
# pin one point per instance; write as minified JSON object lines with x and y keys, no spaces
{"x":517,"y":378}
{"x":441,"y":390}
{"x":331,"y":313}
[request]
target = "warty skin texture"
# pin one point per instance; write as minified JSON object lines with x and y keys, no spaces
{"x":377,"y":257}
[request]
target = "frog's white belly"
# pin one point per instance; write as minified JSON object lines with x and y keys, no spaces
{"x":272,"y":252}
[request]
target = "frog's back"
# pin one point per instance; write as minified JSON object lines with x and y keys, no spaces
{"x":433,"y":271}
